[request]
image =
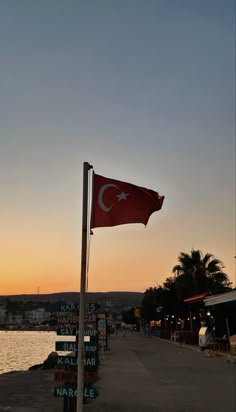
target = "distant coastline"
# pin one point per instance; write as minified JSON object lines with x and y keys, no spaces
{"x":22,"y":328}
{"x":120,"y":298}
{"x":40,"y":312}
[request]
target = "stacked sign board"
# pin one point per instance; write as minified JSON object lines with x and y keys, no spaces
{"x":102,"y":331}
{"x":66,"y":373}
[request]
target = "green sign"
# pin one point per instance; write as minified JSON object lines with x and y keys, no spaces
{"x":90,"y":392}
{"x":67,"y":319}
{"x":71,"y":362}
{"x":70,"y":391}
{"x":74,"y":307}
{"x":67,"y":331}
{"x":70,"y":331}
{"x":73,"y":346}
{"x":73,"y":318}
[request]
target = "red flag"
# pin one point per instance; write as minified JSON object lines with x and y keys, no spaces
{"x":117,"y":203}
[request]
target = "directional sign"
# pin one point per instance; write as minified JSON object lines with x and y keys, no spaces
{"x":69,"y":307}
{"x":90,"y":347}
{"x":90,"y":392}
{"x":74,"y":307}
{"x":70,"y":391}
{"x":91,"y":363}
{"x":66,"y":376}
{"x":90,"y":332}
{"x":73,"y":319}
{"x":67,"y":346}
{"x":91,"y":317}
{"x":67,"y":331}
{"x":70,"y":331}
{"x":73,"y":346}
{"x":71,"y":362}
{"x":70,"y":376}
{"x":90,"y":377}
{"x":67,"y":319}
{"x":65,"y":391}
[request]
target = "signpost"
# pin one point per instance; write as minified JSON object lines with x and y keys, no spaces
{"x":70,"y":391}
{"x":102,"y":329}
{"x":71,"y":362}
{"x":79,"y":321}
{"x":74,"y":307}
{"x":66,"y":375}
{"x":73,"y":319}
{"x":67,"y":346}
{"x":70,"y":376}
{"x":70,"y":331}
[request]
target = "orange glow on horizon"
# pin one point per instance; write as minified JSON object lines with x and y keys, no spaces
{"x":124,"y":258}
{"x":119,"y":261}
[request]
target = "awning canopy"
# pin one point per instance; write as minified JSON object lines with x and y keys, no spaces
{"x":222,"y":298}
{"x":196,"y":298}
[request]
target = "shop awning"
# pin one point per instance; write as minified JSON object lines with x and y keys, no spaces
{"x":196,"y":298}
{"x":222,"y":298}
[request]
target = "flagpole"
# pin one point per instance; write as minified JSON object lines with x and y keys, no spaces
{"x":80,"y":381}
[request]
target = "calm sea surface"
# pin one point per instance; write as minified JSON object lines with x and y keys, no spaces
{"x":19,"y":350}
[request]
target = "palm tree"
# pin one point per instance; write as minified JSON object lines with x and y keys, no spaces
{"x":198,"y":273}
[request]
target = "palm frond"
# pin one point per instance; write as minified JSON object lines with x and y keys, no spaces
{"x":207,"y":259}
{"x":185,"y":259}
{"x":177,"y":268}
{"x":196,"y":257}
{"x":214,"y":265}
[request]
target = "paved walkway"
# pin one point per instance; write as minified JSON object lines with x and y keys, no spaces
{"x":146,"y":374}
{"x":29,"y":391}
{"x":139,"y":374}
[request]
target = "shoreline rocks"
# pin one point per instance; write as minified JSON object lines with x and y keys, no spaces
{"x":49,"y":363}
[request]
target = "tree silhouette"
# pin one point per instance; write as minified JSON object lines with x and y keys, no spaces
{"x":198,"y":273}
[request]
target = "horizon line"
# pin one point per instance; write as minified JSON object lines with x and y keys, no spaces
{"x":57,"y":293}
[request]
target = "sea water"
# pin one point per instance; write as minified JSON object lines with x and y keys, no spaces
{"x":20,"y":349}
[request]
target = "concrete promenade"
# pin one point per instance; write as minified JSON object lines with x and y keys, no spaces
{"x":146,"y":374}
{"x":139,"y":374}
{"x":29,"y":391}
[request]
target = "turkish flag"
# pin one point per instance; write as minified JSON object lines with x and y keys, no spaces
{"x":117,"y":203}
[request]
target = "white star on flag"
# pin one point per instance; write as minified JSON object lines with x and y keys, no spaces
{"x":122,"y":196}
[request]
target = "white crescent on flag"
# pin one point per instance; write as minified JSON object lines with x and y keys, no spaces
{"x":100,"y":197}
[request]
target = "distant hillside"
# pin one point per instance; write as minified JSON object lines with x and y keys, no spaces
{"x":131,"y":299}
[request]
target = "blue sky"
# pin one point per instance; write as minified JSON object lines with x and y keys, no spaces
{"x":143,"y":90}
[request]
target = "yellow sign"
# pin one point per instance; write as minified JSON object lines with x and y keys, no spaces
{"x":137,"y":313}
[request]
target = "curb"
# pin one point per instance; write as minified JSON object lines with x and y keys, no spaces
{"x":197,"y":349}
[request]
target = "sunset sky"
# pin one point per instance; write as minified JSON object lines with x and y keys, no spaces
{"x":144,"y":90}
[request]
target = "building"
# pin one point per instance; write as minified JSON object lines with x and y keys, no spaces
{"x":14,"y":318}
{"x":37,"y":316}
{"x":222,"y":309}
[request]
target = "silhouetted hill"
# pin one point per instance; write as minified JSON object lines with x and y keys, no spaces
{"x":131,"y":299}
